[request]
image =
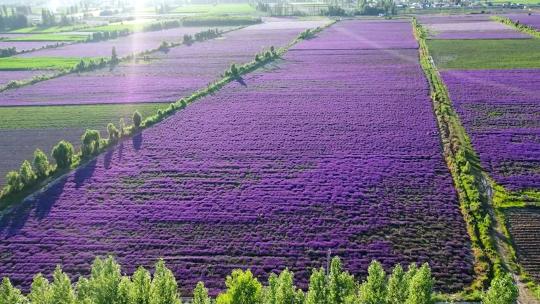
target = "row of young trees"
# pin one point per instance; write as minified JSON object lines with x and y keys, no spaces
{"x":107,"y":285}
{"x":64,"y":155}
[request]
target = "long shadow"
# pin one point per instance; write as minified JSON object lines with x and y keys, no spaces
{"x":83,"y":174}
{"x":241,"y":81}
{"x":121,"y":151}
{"x":13,"y":221}
{"x":107,"y":159}
{"x":137,"y":141}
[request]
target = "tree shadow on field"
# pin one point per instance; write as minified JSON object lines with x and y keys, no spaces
{"x":241,"y":81}
{"x":13,"y":221}
{"x":83,"y":174}
{"x":137,"y":141}
{"x":107,"y":159}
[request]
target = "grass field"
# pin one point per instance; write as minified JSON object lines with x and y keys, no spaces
{"x":219,"y":9}
{"x":57,"y":117}
{"x":486,"y":54}
{"x":132,"y":26}
{"x":51,"y":29}
{"x":37,"y":63}
{"x":51,"y":37}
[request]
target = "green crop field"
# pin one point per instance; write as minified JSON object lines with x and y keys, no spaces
{"x":51,"y":29}
{"x":38,"y":63}
{"x":486,"y":54}
{"x":52,"y":37}
{"x":130,"y":26}
{"x":59,"y":117}
{"x":219,"y":9}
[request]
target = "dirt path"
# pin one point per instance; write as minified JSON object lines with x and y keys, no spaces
{"x":525,"y":295}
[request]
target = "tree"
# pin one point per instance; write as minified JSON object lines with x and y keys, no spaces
{"x":373,"y":290}
{"x":114,"y":56}
{"x":63,"y":154}
{"x":102,"y":285}
{"x":200,"y":294}
{"x":41,"y":163}
{"x":10,"y":294}
{"x":502,"y":290}
{"x":397,"y":286}
{"x":317,"y":288}
{"x":242,"y":288}
{"x":27,"y":174}
{"x":340,"y":284}
{"x":141,"y":286}
{"x":61,"y":290}
{"x":90,"y":143}
{"x":125,"y":293}
{"x":137,"y":119}
{"x":13,"y":180}
{"x":164,"y":289}
{"x":287,"y":293}
{"x":114,"y":134}
{"x":40,"y":291}
{"x":421,"y":287}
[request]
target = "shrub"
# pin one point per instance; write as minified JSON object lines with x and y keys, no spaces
{"x":90,"y":143}
{"x":10,"y":294}
{"x":164,"y":289}
{"x":114,"y":134}
{"x":28,"y":177}
{"x":13,"y":181}
{"x":63,"y":154}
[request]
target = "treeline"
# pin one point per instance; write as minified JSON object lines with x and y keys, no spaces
{"x":13,"y":20}
{"x":107,"y":285}
{"x":6,"y":52}
{"x":201,"y":36}
{"x":519,"y":26}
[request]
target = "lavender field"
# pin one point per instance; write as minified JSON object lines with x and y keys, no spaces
{"x":167,"y":77}
{"x":501,"y":112}
{"x":469,"y":27}
{"x":332,"y":148}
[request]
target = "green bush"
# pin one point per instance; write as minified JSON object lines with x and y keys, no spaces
{"x":63,"y":154}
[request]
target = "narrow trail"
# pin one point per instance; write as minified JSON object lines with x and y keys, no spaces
{"x":525,"y":295}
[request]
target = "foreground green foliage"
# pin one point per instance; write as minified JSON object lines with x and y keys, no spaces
{"x":106,"y":285}
{"x":486,"y":54}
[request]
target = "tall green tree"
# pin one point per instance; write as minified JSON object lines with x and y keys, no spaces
{"x":421,"y":287}
{"x":397,"y":286}
{"x":316,"y":293}
{"x":142,"y":282}
{"x":61,"y":289}
{"x":125,"y":292}
{"x":502,"y":290}
{"x":13,"y":181}
{"x":242,"y":288}
{"x":341,"y":286}
{"x":40,"y":291}
{"x":164,"y":289}
{"x":102,"y":285}
{"x":200,"y":294}
{"x":373,"y":290}
{"x":137,"y":119}
{"x":10,"y":294}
